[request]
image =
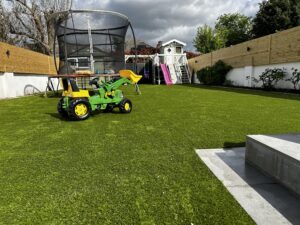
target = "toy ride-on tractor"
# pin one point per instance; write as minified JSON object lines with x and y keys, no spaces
{"x":78,"y":104}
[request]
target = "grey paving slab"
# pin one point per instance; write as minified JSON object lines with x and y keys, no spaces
{"x":266,"y":201}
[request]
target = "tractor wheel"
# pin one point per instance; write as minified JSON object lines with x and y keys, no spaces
{"x":61,"y":110}
{"x":109,"y":108}
{"x":79,"y":109}
{"x":125,"y":106}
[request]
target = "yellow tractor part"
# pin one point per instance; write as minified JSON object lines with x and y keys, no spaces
{"x":127,"y":106}
{"x":81,"y":110}
{"x":130,"y":75}
{"x":76,"y":94}
{"x":80,"y":94}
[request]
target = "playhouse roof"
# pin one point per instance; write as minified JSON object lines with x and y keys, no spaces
{"x":173,"y":40}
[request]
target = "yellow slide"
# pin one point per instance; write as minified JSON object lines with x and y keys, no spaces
{"x":130,"y":75}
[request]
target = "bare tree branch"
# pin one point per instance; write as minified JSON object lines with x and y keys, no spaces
{"x":30,"y":22}
{"x":4,"y":29}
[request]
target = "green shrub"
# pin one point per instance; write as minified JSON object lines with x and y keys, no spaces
{"x":229,"y":83}
{"x":220,"y":70}
{"x":215,"y":75}
{"x":204,"y":75}
{"x":270,"y":77}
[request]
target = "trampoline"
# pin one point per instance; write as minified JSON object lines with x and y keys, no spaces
{"x":91,"y":42}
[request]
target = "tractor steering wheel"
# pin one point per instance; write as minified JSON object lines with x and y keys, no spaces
{"x":94,"y":81}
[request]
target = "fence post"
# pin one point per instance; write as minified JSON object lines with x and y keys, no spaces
{"x":49,"y":67}
{"x":270,"y":47}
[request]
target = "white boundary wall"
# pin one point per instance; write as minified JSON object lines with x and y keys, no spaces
{"x":17,"y":85}
{"x":243,"y":77}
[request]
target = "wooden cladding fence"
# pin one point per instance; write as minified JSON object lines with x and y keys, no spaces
{"x":282,"y":47}
{"x":19,"y":60}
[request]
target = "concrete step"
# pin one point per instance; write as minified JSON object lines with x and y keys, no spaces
{"x":277,"y":156}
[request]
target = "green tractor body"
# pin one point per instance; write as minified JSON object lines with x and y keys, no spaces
{"x":78,"y":104}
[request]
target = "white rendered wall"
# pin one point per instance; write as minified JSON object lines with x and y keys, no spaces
{"x":243,"y":77}
{"x":3,"y":84}
{"x":238,"y":76}
{"x":17,"y":85}
{"x":194,"y":77}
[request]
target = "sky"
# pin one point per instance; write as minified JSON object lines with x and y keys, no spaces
{"x":163,"y":20}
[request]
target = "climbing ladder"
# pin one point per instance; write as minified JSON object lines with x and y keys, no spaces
{"x":185,"y":78}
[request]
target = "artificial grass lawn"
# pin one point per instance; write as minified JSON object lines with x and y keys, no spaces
{"x":139,"y":168}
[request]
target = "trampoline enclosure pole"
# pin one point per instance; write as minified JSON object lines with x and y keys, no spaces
{"x":135,"y":66}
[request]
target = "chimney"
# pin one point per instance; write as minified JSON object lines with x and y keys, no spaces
{"x":159,"y":44}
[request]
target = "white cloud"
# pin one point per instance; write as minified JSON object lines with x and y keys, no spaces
{"x":155,"y":20}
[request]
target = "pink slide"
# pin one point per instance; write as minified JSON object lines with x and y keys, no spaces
{"x":166,"y":74}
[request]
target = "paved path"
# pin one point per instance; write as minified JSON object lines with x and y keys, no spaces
{"x":264,"y":200}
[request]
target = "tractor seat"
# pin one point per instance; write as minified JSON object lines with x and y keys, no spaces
{"x":72,"y":84}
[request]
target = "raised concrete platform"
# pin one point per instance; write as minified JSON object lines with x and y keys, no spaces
{"x":278,"y":156}
{"x":266,"y":201}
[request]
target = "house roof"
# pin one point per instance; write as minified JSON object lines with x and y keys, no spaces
{"x":173,"y":40}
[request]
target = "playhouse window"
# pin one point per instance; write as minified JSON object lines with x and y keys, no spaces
{"x":72,"y":62}
{"x":178,"y":50}
{"x":83,"y":63}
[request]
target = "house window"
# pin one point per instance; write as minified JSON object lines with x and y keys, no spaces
{"x":178,"y":50}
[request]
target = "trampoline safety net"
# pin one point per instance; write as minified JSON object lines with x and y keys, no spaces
{"x":91,"y":40}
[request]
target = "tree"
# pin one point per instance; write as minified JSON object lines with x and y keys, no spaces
{"x":191,"y":55}
{"x":295,"y":13}
{"x":206,"y":40}
{"x":276,"y":15}
{"x":31,"y":22}
{"x":4,"y":32}
{"x":233,"y":29}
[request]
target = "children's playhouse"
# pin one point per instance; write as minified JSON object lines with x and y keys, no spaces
{"x":169,"y":66}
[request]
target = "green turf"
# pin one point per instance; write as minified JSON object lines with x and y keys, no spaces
{"x":139,"y":168}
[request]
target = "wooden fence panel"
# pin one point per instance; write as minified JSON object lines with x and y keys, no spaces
{"x":202,"y":62}
{"x":285,"y":48}
{"x":282,"y":47}
{"x":19,"y":60}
